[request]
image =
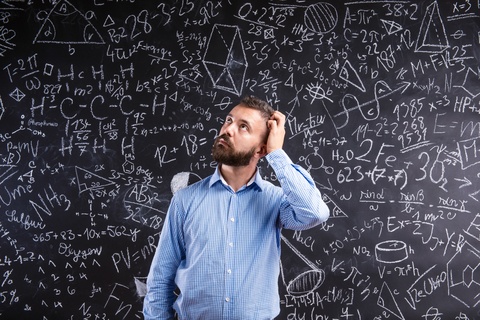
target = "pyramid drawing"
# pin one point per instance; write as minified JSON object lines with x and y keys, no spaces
{"x":66,"y":25}
{"x":432,"y":37}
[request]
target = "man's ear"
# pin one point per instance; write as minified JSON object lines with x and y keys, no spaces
{"x":262,"y":151}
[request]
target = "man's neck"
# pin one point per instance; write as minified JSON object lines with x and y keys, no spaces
{"x":237,"y":177}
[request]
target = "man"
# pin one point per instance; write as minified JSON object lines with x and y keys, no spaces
{"x":220,"y":244}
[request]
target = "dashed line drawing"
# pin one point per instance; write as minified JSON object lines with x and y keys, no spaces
{"x":391,"y":251}
{"x":306,"y":282}
{"x":225,"y":59}
{"x":463,"y":272}
{"x":432,"y":37}
{"x":321,"y":17}
{"x":65,"y":24}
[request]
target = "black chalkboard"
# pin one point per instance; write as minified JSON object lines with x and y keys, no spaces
{"x":108,"y":107}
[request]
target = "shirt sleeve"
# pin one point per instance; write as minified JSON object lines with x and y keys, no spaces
{"x":160,"y":296}
{"x":302,"y":206}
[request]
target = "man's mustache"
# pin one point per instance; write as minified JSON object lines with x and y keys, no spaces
{"x":225,"y":137}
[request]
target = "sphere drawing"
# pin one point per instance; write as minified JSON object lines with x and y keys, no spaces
{"x":321,"y":17}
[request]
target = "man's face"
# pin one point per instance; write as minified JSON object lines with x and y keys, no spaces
{"x":241,"y":137}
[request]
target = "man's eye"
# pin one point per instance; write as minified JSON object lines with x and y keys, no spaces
{"x":243,"y":127}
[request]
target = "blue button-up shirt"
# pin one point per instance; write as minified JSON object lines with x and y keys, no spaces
{"x":222,"y":248}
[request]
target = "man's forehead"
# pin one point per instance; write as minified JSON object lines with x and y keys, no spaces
{"x":244,"y":113}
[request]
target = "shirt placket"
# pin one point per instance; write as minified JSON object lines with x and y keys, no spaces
{"x":230,"y":244}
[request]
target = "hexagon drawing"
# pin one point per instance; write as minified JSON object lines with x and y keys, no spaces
{"x":464,"y":276}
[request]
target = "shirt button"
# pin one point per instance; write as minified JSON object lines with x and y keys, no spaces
{"x":227,"y":299}
{"x":232,"y":219}
{"x":231,"y":244}
{"x":229,"y":271}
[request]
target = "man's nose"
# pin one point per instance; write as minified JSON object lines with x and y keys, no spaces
{"x":228,"y":129}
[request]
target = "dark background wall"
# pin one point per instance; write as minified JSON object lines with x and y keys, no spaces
{"x":108,"y":107}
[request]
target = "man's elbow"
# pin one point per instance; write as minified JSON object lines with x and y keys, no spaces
{"x":325,"y":212}
{"x":322,"y":213}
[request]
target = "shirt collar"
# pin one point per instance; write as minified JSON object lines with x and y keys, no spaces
{"x":256,"y":179}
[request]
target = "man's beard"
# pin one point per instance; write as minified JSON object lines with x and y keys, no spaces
{"x":227,"y":156}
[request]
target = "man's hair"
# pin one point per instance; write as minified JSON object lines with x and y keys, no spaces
{"x":258,"y":104}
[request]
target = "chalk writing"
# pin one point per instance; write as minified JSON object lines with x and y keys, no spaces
{"x":107,"y":108}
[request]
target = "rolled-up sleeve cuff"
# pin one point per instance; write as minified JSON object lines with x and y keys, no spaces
{"x":278,"y":159}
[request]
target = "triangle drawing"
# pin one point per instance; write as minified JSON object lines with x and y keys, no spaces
{"x":336,"y":211}
{"x":387,"y":301}
{"x":66,"y":25}
{"x":88,"y":181}
{"x":350,"y":75}
{"x":391,"y":26}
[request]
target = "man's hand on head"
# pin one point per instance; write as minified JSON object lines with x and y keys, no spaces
{"x":276,"y":135}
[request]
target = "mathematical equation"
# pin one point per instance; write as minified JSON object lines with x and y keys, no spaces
{"x":107,"y":108}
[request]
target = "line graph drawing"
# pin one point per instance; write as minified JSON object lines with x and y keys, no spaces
{"x":64,"y":24}
{"x":370,"y":110}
